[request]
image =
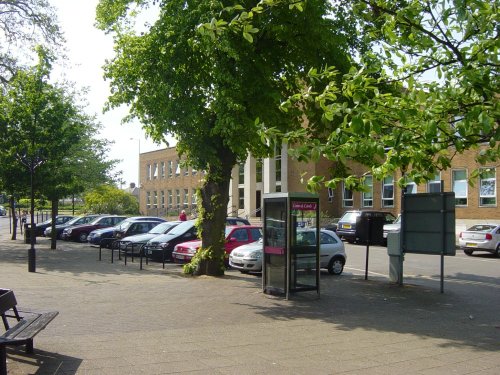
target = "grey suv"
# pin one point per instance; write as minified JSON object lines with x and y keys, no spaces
{"x":346,"y":227}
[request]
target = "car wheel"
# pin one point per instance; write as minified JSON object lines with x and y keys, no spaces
{"x":336,"y":266}
{"x":497,"y":251}
{"x":468,"y":252}
{"x":83,"y":237}
{"x":243,"y":271}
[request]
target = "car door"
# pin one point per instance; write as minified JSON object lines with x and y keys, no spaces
{"x":237,"y":237}
{"x":327,"y":248}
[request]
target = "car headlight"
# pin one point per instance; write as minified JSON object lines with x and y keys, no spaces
{"x":164,"y":245}
{"x":255,"y":254}
{"x":192,"y":250}
{"x":69,"y":231}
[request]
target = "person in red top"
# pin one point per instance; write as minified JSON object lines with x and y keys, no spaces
{"x":182,"y":216}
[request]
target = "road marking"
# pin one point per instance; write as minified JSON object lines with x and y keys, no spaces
{"x":447,"y":279}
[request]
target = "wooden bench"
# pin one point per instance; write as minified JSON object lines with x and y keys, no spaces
{"x":27,"y":325}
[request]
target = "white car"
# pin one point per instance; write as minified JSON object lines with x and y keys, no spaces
{"x":481,"y":237}
{"x":248,"y":258}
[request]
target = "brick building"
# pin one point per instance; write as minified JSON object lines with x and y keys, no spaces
{"x":167,"y":187}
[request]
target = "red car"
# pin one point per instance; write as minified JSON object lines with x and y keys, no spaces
{"x":235,"y":236}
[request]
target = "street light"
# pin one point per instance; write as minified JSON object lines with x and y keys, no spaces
{"x":32,"y":162}
{"x":138,"y":160}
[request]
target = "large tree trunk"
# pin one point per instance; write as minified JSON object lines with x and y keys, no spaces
{"x":214,"y":199}
{"x":14,"y":217}
{"x":55,"y":209}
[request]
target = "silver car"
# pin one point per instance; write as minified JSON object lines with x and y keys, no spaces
{"x":248,"y":258}
{"x":481,"y":237}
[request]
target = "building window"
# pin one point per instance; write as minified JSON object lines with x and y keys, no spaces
{"x":330,"y":195}
{"x":186,"y":198}
{"x":241,"y":174}
{"x":186,"y":171}
{"x":241,"y":198}
{"x":177,"y":168}
{"x":258,"y":170}
{"x":162,"y":169}
{"x":148,"y":199}
{"x":411,"y":187}
{"x":193,"y":198}
{"x":148,"y":172}
{"x":368,"y":194}
{"x":278,"y":187}
{"x":278,"y":168}
{"x":487,"y":188}
{"x":163,"y":199}
{"x":170,"y":199}
{"x":155,"y":171}
{"x":155,"y":199}
{"x":347,"y":197}
{"x":178,"y":198}
{"x":169,"y":168}
{"x":193,"y":171}
{"x":459,"y":183}
{"x":388,"y":192}
{"x":434,"y":185}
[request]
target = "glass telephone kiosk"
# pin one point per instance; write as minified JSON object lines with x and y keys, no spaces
{"x":291,"y":243}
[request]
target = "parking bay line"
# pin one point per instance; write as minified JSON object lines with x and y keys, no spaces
{"x":456,"y":280}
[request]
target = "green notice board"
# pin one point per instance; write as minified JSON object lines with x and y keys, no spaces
{"x":428,"y":225}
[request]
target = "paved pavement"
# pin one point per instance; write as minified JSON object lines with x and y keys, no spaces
{"x":116,"y":319}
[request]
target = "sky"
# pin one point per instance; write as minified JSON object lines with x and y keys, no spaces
{"x":87,"y":48}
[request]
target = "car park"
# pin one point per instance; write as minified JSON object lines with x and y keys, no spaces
{"x":158,"y":230}
{"x":80,"y":232}
{"x":481,"y":237}
{"x":248,"y":258}
{"x":160,"y":248}
{"x":96,"y":236}
{"x":60,"y":219}
{"x":73,"y":222}
{"x":236,"y":235}
{"x":346,"y":227}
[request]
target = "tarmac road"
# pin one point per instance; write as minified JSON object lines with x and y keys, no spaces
{"x":116,"y":319}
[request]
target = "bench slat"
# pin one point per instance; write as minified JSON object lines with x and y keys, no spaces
{"x":29,"y":327}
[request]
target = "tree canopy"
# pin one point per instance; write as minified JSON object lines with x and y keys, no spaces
{"x":24,"y":25}
{"x":426,"y":89}
{"x":111,"y":200}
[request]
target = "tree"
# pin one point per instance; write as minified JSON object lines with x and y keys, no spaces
{"x":427,"y":90}
{"x":109,"y":199}
{"x":208,"y":87}
{"x":43,"y":127}
{"x":24,"y":25}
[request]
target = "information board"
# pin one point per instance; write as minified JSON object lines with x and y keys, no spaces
{"x":428,"y":224}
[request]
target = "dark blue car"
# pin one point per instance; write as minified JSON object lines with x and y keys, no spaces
{"x":96,"y":236}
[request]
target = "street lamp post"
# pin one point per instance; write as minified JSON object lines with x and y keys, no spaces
{"x":138,"y":160}
{"x":32,"y":162}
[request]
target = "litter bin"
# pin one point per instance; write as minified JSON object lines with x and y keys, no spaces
{"x":27,"y":233}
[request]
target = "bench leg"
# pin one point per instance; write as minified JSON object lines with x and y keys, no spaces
{"x":3,"y":360}
{"x":29,"y":346}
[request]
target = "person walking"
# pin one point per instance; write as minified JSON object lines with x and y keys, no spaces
{"x":182,"y":216}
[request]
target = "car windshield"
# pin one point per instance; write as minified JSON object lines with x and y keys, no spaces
{"x":181,"y":228}
{"x":481,"y":228}
{"x":350,"y":216}
{"x":75,"y":220}
{"x":398,"y":220}
{"x":125,"y":225}
{"x":161,"y":228}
